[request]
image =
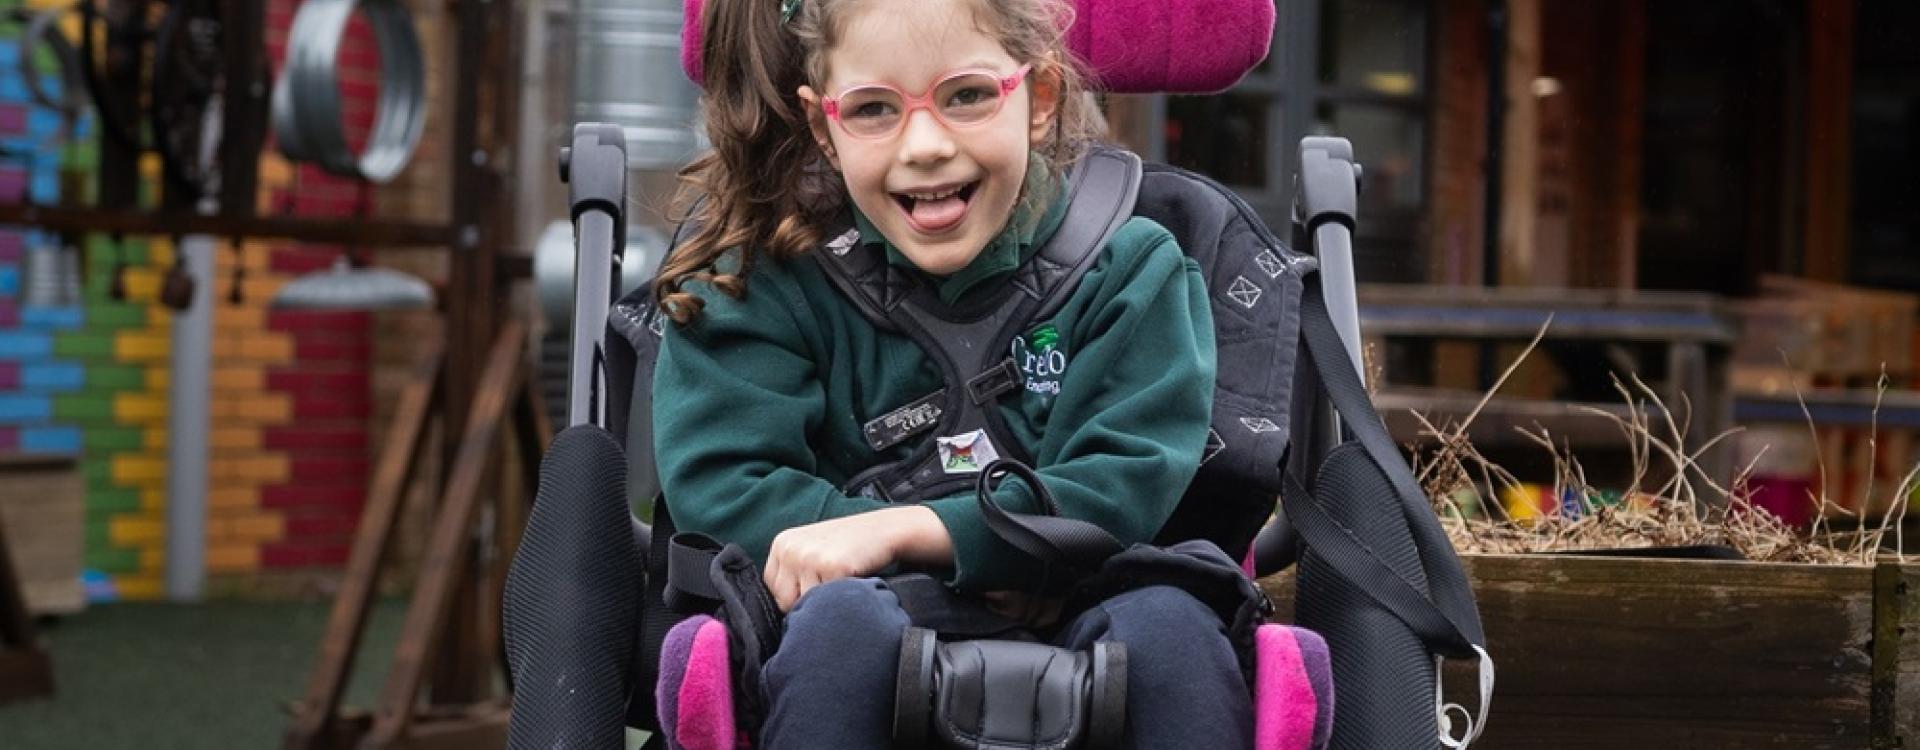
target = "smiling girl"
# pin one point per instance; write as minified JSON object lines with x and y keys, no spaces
{"x":939,"y":131}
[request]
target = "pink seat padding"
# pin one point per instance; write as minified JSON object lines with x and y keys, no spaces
{"x":695,"y":692}
{"x":1293,"y":689}
{"x":1130,"y":46}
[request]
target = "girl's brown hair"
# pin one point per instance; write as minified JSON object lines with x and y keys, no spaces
{"x":765,"y":188}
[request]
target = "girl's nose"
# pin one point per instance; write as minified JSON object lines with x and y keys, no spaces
{"x":924,"y":139}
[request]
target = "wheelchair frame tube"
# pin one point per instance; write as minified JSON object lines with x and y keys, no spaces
{"x":595,"y":170}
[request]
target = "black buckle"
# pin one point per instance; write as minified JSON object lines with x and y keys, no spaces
{"x":995,"y":382}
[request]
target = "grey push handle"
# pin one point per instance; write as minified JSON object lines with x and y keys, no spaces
{"x":595,"y":170}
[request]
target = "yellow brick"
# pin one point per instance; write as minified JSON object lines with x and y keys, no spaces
{"x":139,"y":408}
{"x":273,"y":469}
{"x":258,"y":528}
{"x":234,"y":438}
{"x":139,"y":587}
{"x":135,"y":530}
{"x":141,"y":347}
{"x":274,"y":172}
{"x":268,"y":408}
{"x":233,"y":497}
{"x":153,"y":558}
{"x":230,"y":318}
{"x":142,"y":284}
{"x":232,"y":558}
{"x":158,"y":378}
{"x":153,"y":500}
{"x":255,"y":289}
{"x":150,"y":166}
{"x":160,"y":253}
{"x":239,"y":378}
{"x":154,"y":438}
{"x":267,"y":348}
{"x":136,"y":470}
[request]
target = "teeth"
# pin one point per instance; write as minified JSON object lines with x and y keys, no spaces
{"x":932,"y":196}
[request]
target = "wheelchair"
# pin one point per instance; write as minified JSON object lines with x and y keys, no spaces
{"x":612,"y":622}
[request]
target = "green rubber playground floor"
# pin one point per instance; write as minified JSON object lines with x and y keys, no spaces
{"x":163,"y":676}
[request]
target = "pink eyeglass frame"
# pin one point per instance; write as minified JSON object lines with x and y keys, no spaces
{"x":831,"y":104}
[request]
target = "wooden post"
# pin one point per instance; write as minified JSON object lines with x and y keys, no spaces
{"x":1520,"y":156}
{"x":1829,"y":138}
{"x":25,"y":670}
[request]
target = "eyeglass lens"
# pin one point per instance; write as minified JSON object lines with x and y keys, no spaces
{"x":961,"y":100}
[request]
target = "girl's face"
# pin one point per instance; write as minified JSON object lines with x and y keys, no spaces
{"x":937,"y":189}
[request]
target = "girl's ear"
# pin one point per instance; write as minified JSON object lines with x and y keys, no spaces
{"x":817,"y":123}
{"x":1045,"y":86}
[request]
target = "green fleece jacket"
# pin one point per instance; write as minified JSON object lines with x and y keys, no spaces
{"x":758,"y":405}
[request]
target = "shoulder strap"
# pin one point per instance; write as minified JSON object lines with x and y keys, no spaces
{"x":1438,"y":606}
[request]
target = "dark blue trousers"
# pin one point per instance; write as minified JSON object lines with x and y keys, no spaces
{"x":830,"y":685}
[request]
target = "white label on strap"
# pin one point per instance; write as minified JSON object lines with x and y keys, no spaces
{"x":966,"y":453}
{"x":1444,"y":711}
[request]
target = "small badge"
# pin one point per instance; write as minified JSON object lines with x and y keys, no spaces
{"x":1042,"y":359}
{"x":967,"y":453}
{"x":841,"y":244}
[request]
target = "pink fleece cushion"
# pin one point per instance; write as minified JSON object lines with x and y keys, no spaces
{"x":1293,"y":689}
{"x":703,"y":704}
{"x":1131,"y":46}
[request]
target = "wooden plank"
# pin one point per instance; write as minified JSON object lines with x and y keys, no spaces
{"x":1619,"y":652}
{"x":1829,"y":111}
{"x":347,"y":620}
{"x":1519,"y":161}
{"x":444,"y":569}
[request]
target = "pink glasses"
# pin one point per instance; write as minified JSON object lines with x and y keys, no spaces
{"x":961,"y":99}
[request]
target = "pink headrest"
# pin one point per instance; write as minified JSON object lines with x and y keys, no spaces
{"x":1131,"y":46}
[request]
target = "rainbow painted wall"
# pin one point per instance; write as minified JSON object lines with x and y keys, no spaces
{"x":84,"y":372}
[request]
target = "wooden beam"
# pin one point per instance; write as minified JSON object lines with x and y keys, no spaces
{"x":316,"y":715}
{"x":1830,"y":31}
{"x":1520,"y":155}
{"x":445,"y":569}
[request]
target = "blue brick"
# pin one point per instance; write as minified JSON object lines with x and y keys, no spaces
{"x":62,"y":440}
{"x":53,"y":318}
{"x":9,"y":281}
{"x":18,"y":408}
{"x":45,"y":187}
{"x":25,"y":345}
{"x":53,"y":376}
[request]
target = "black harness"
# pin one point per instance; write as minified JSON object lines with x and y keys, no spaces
{"x":970,"y":346}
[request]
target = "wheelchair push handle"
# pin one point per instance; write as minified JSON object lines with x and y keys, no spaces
{"x":595,"y":170}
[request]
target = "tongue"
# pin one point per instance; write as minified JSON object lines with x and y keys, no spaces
{"x":940,"y":214}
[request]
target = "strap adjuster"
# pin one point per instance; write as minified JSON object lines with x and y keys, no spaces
{"x":995,"y":382}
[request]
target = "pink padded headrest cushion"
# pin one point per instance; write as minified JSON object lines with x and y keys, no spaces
{"x":1130,"y":46}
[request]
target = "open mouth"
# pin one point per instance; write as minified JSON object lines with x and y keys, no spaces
{"x":937,"y":210}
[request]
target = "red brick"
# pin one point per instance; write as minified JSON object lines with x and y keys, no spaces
{"x":312,"y":349}
{"x":310,"y":471}
{"x":307,"y":407}
{"x":303,"y":496}
{"x":305,"y":553}
{"x":333,"y":525}
{"x":304,"y":380}
{"x":9,"y":372}
{"x":309,"y":440}
{"x":301,"y":321}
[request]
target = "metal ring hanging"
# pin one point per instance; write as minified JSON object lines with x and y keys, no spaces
{"x":306,"y":99}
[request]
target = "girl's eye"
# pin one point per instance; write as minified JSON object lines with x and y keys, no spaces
{"x":969,"y":97}
{"x":873,"y":109}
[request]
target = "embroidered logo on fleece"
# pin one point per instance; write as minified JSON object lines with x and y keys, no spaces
{"x":967,"y":453}
{"x":1042,"y":359}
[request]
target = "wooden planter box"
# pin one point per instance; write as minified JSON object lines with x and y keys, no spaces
{"x":1597,"y":652}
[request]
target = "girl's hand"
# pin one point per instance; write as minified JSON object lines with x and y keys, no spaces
{"x":806,"y":556}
